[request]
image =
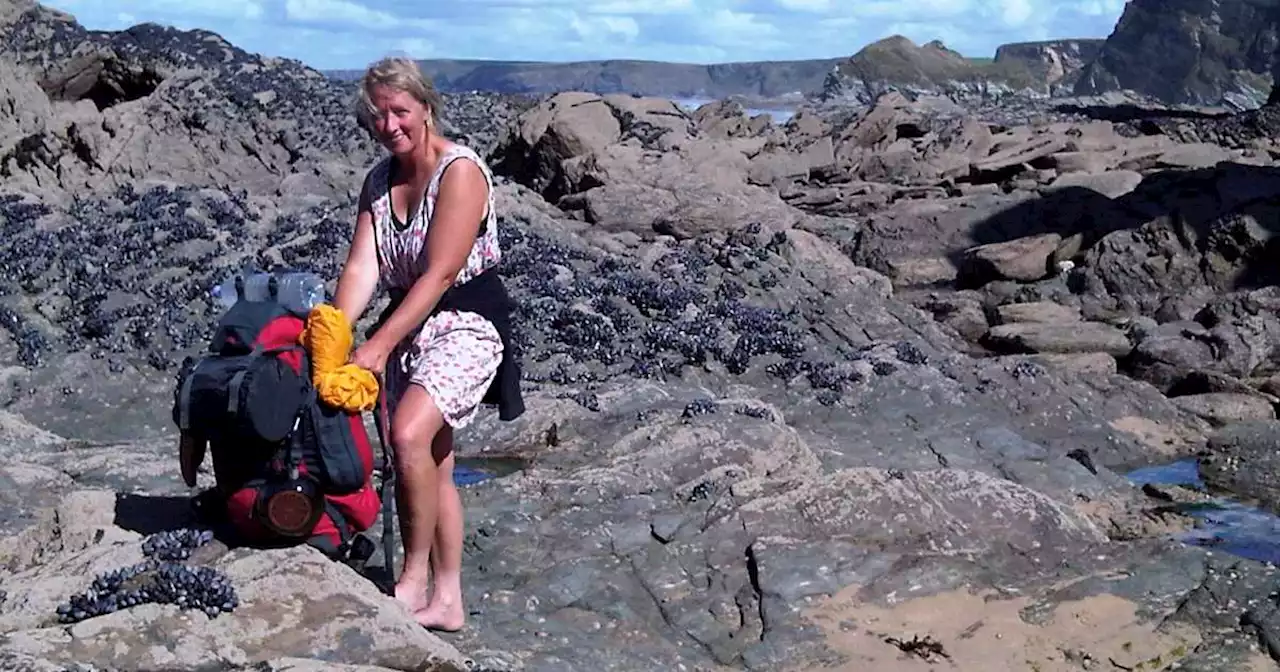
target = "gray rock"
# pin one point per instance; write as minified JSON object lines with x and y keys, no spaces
{"x":1222,"y":408}
{"x":1164,"y":358}
{"x":1019,"y":154}
{"x":1112,"y":183}
{"x":293,"y":603}
{"x":1085,"y":364}
{"x":962,"y":313}
{"x":1036,"y":311}
{"x":922,"y":271}
{"x":1241,"y":458}
{"x":1129,"y":58}
{"x":1025,"y":259}
{"x":1060,"y":338}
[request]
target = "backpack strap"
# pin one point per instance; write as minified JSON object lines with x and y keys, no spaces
{"x":233,"y":389}
{"x":322,"y":542}
{"x":184,"y":397}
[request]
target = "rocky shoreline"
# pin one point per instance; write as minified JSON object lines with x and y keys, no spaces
{"x":857,"y":391}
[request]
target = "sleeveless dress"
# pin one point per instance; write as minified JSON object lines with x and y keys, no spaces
{"x":455,"y":355}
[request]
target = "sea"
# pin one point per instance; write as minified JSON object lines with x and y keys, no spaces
{"x":780,"y":114}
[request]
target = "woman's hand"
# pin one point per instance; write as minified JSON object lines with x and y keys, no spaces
{"x":371,"y":355}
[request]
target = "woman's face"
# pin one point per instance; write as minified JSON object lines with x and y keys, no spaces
{"x":400,"y":120}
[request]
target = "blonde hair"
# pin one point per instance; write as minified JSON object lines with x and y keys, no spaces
{"x":401,"y":74}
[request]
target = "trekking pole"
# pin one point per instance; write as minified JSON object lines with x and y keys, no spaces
{"x":388,"y":483}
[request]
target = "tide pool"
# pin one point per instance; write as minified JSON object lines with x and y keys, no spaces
{"x":1221,"y":523}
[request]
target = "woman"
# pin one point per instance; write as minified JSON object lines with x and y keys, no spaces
{"x":426,"y":229}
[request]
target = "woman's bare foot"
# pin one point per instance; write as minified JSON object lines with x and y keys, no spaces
{"x":446,"y":616}
{"x":444,"y":610}
{"x":413,"y":596}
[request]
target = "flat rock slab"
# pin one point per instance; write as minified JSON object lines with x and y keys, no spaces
{"x":1196,"y":155}
{"x":1084,"y":364}
{"x":963,"y":630}
{"x":1073,"y":338}
{"x":922,"y":271}
{"x":294,"y":603}
{"x":10,"y":660}
{"x":1130,"y":606}
{"x":1223,"y":408}
{"x":1037,"y":311}
{"x":1023,"y":259}
{"x":1084,"y":162}
{"x":891,"y":513}
{"x":312,"y":665}
{"x":1020,"y":153}
{"x":1112,"y":184}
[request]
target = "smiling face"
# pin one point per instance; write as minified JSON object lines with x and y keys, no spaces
{"x":399,"y":119}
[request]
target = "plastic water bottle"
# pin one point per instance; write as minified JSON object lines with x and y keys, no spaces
{"x":224,"y":293}
{"x":297,"y":291}
{"x":300,"y":292}
{"x":257,"y":287}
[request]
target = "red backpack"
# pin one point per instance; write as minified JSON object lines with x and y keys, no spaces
{"x":288,"y":467}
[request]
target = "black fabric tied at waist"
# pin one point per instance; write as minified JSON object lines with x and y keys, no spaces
{"x":485,"y":295}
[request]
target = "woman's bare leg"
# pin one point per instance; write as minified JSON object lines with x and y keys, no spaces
{"x":416,"y":423}
{"x":444,"y":611}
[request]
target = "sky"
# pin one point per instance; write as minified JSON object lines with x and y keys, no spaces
{"x":340,"y":34}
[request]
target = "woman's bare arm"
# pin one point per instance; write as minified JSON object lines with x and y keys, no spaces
{"x":359,"y":276}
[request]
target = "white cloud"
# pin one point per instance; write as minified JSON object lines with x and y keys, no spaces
{"x":638,"y":6}
{"x":415,"y":47}
{"x":604,"y":28}
{"x":1016,"y":12}
{"x":1100,"y":7}
{"x":351,"y":33}
{"x":233,"y":9}
{"x":725,"y":27}
{"x":348,"y":13}
{"x":191,"y":12}
{"x":816,"y":6}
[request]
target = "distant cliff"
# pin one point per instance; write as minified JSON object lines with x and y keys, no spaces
{"x":897,"y":63}
{"x":1056,"y":63}
{"x":894,"y":62}
{"x":1201,"y":52}
{"x":759,"y":79}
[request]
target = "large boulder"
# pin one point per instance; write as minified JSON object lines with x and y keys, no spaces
{"x":643,"y":165}
{"x":1196,"y":52}
{"x":156,"y":103}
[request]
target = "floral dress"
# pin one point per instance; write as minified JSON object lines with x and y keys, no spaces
{"x":455,"y":355}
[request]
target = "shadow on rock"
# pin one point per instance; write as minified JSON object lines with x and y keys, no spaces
{"x":1129,"y":113}
{"x":1172,"y":231}
{"x":1063,"y":212}
{"x":149,"y":514}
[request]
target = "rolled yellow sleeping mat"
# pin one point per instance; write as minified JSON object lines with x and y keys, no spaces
{"x":339,"y":383}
